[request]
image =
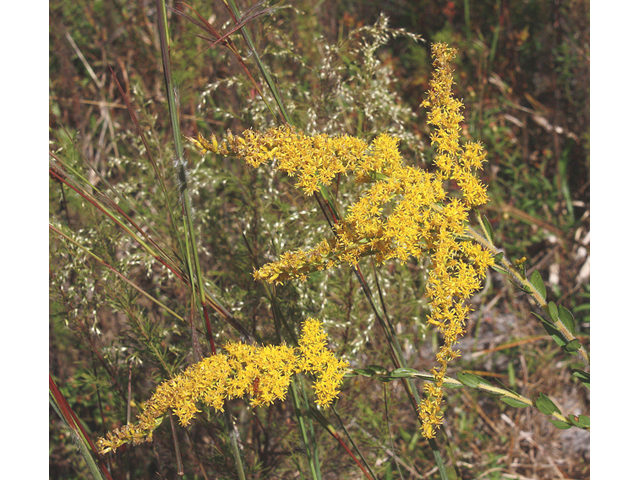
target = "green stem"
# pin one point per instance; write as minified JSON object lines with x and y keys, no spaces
{"x":400,"y":361}
{"x":323,"y":421}
{"x":191,"y":249}
{"x":235,"y":447}
{"x":527,"y":286}
{"x":355,"y":446}
{"x":307,"y":437}
{"x":263,"y":70}
{"x":450,"y":382}
{"x":83,"y":440}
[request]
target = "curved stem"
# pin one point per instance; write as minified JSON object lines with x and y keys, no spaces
{"x":524,"y":283}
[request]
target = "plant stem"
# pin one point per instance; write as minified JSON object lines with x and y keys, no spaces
{"x":191,"y":249}
{"x":83,"y":440}
{"x":235,"y":447}
{"x":307,"y":437}
{"x":528,"y":286}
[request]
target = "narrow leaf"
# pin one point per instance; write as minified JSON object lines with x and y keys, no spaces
{"x":499,"y":269}
{"x":554,"y":333}
{"x":538,"y":283}
{"x":403,"y":373}
{"x":573,"y":346}
{"x":471,"y":380}
{"x":566,"y":317}
{"x":365,"y":372}
{"x":540,"y":317}
{"x":524,"y":288}
{"x":583,"y":421}
{"x":513,"y":402}
{"x":560,"y":424}
{"x":546,"y":405}
{"x":487,"y":228}
{"x":378,"y":369}
{"x":584,"y":377}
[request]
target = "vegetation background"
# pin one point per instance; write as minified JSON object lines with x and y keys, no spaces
{"x":523,"y":72}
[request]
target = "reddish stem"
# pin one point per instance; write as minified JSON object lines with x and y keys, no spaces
{"x":74,"y":423}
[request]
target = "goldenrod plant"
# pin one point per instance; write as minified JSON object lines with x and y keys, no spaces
{"x":311,"y":293}
{"x":424,"y":219}
{"x":263,"y":373}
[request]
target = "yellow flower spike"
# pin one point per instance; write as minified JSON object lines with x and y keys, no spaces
{"x":457,"y":268}
{"x":263,"y":373}
{"x":203,"y":145}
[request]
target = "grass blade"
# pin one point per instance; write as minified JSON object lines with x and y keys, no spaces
{"x":83,"y":440}
{"x":191,"y":248}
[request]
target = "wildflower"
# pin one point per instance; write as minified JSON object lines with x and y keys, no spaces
{"x":424,"y":218}
{"x":314,"y":160}
{"x":315,"y":358}
{"x":457,"y":267}
{"x":264,"y":373}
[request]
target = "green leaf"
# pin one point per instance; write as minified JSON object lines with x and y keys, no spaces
{"x":498,"y":257}
{"x":451,"y":385}
{"x":488,"y":228}
{"x":513,"y":402}
{"x":560,"y":424}
{"x":584,"y":377}
{"x":584,"y":421}
{"x":581,"y":421}
{"x":499,"y":269}
{"x":403,"y":373}
{"x":540,"y":317}
{"x":464,"y":238}
{"x":573,"y":346}
{"x":524,"y":288}
{"x":546,"y":405}
{"x":553,"y":332}
{"x":553,"y":311}
{"x":377,"y":369}
{"x":538,"y":284}
{"x":365,"y":372}
{"x":566,"y":317}
{"x":471,"y":380}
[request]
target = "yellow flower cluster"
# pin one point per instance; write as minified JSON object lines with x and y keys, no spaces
{"x":423,"y":217}
{"x":263,"y":373}
{"x":315,"y":160}
{"x":457,"y":267}
{"x":453,"y":161}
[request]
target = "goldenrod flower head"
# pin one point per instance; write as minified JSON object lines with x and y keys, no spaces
{"x":263,"y":373}
{"x":315,"y":358}
{"x":314,"y":160}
